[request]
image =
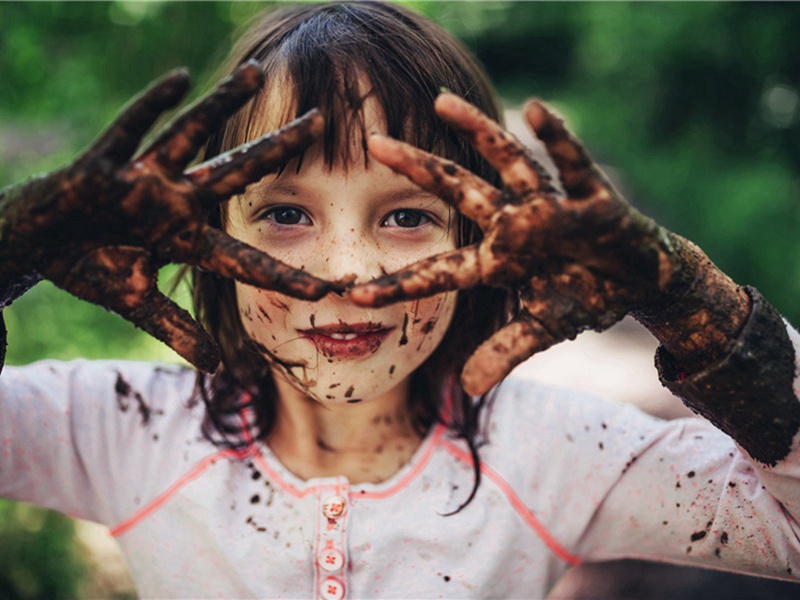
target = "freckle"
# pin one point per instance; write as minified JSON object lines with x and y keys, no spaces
{"x":600,"y":445}
{"x":391,"y":370}
{"x":664,"y":522}
{"x":603,"y":425}
{"x":678,"y":484}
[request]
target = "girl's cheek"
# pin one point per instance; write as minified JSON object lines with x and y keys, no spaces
{"x":428,"y":321}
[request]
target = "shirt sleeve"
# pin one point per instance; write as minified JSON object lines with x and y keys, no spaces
{"x":92,"y":439}
{"x":610,"y":482}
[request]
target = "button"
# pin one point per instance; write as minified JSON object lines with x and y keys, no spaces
{"x":334,"y":507}
{"x":332,"y":589}
{"x":330,"y":559}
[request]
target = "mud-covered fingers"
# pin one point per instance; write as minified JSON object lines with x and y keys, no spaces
{"x":496,"y":357}
{"x":454,"y":270}
{"x":179,"y":143}
{"x":471,"y":195}
{"x":231,"y":172}
{"x":519,"y":171}
{"x":580,"y":175}
{"x":169,"y":323}
{"x":123,"y":280}
{"x":228,"y":257}
{"x":121,"y":139}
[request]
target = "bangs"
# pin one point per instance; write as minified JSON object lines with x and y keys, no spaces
{"x":337,"y":57}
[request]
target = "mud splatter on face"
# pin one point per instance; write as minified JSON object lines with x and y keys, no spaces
{"x":404,"y":337}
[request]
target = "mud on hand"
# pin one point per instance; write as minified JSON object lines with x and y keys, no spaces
{"x":579,"y":260}
{"x":101,"y":227}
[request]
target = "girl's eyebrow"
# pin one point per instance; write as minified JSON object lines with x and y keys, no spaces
{"x":277,"y":187}
{"x":411,"y":192}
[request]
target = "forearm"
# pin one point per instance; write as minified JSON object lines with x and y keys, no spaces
{"x":15,"y":279}
{"x":726,"y":352}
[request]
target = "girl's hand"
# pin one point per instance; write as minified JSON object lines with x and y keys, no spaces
{"x":579,"y":260}
{"x":101,"y":227}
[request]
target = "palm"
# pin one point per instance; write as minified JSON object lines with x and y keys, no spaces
{"x":107,"y":223}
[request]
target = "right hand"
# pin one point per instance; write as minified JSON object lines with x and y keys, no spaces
{"x":101,"y":227}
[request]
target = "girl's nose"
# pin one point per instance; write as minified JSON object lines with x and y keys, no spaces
{"x":349,"y":255}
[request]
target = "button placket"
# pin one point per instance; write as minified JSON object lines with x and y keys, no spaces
{"x":330,"y":552}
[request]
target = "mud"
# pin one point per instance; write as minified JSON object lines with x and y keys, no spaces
{"x":748,"y":393}
{"x":102,"y":227}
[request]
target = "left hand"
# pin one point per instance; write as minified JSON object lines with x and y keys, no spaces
{"x":579,"y":261}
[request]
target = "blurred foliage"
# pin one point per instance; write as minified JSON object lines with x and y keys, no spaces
{"x":694,"y":105}
{"x":37,"y":554}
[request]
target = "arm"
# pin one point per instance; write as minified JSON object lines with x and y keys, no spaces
{"x":101,"y":227}
{"x":584,"y":258}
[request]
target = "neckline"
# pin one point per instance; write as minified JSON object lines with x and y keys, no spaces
{"x":299,"y":488}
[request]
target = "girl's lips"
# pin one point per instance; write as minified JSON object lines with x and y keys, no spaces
{"x":348,"y":341}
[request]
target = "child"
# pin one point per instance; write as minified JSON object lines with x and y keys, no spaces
{"x":335,"y":453}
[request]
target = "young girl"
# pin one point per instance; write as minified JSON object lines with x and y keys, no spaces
{"x":337,"y":450}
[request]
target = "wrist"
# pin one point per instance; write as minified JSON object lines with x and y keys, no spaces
{"x":701,"y":311}
{"x":16,"y":275}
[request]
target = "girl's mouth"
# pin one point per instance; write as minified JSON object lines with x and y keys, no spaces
{"x":348,"y":340}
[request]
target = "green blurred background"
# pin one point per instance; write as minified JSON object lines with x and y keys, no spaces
{"x":693,"y":106}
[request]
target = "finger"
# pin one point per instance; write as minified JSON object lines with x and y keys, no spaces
{"x":520,"y":339}
{"x":123,"y":280}
{"x":579,"y":174}
{"x":228,"y":257}
{"x":231,"y":172}
{"x":520,"y":172}
{"x":458,"y":269}
{"x":120,"y":140}
{"x":181,"y":141}
{"x":471,"y":195}
{"x":169,"y":323}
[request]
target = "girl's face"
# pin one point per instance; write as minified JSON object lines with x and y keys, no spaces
{"x":335,"y":223}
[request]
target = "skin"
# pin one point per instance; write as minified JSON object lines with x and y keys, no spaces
{"x":342,"y":414}
{"x":101,"y":227}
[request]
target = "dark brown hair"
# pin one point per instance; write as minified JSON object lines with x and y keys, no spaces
{"x":321,"y":55}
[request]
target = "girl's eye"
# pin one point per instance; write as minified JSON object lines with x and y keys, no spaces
{"x":406,"y":218}
{"x":287,"y":215}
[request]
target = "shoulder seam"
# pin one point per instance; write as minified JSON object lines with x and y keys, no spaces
{"x":516,"y":503}
{"x":199,"y":468}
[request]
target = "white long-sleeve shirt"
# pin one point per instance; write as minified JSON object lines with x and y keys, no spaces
{"x":566,"y":478}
